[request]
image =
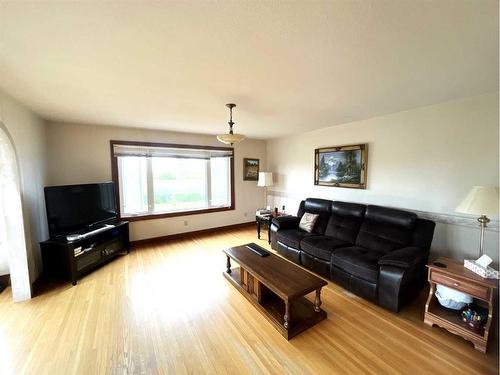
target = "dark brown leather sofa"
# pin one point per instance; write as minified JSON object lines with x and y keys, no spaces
{"x":376,"y":252}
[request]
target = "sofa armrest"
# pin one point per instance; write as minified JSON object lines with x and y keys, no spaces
{"x":405,"y":257}
{"x":286,"y":222}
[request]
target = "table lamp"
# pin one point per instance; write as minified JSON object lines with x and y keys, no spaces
{"x":265,"y":180}
{"x":481,"y":200}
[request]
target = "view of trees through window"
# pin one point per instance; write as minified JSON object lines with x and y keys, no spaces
{"x":179,"y":184}
{"x":150,"y":185}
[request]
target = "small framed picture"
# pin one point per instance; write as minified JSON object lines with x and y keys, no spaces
{"x":250,"y":169}
{"x":341,"y":166}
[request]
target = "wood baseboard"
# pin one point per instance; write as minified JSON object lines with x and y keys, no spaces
{"x":5,"y":280}
{"x":136,"y":243}
{"x":38,"y":284}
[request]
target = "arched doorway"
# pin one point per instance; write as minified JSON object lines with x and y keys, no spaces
{"x":13,"y":255}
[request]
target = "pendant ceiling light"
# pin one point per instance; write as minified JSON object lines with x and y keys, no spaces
{"x":230,"y":138}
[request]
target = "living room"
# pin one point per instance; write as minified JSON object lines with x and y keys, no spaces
{"x":133,"y":99}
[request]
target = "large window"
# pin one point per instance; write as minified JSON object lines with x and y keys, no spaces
{"x":158,"y":180}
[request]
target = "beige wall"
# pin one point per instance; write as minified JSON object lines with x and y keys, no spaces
{"x":27,"y":131}
{"x":81,"y":154}
{"x":422,"y":159}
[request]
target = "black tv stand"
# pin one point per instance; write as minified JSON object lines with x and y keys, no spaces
{"x":62,"y":258}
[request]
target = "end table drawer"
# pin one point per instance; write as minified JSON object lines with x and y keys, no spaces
{"x":474,"y":290}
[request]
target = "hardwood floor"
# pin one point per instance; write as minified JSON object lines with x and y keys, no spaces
{"x":167,"y":309}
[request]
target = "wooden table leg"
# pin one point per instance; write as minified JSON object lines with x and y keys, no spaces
{"x":287,"y":315}
{"x":429,"y":298}
{"x":317,"y":300}
{"x":228,"y":265}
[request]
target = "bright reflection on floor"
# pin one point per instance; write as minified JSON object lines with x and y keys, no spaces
{"x":178,"y":288}
{"x":5,"y":356}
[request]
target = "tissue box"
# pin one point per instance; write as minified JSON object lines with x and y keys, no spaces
{"x":486,"y":272}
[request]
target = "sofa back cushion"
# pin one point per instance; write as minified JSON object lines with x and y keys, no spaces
{"x":345,"y":221}
{"x":323,"y":208}
{"x":386,"y":229}
{"x":301,"y":209}
{"x":423,"y":233}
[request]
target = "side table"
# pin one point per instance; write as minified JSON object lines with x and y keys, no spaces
{"x":266,"y":221}
{"x":454,"y":275}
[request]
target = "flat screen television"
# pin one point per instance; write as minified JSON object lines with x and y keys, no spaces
{"x":75,"y":208}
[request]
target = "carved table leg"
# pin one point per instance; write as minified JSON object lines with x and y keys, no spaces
{"x":287,"y":315}
{"x":317,"y":300}
{"x":228,"y":265}
{"x":428,"y":321}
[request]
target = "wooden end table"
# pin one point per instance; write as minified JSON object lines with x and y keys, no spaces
{"x":266,"y":221}
{"x":457,"y":277}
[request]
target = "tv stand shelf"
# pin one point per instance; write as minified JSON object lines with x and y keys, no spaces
{"x":59,"y":258}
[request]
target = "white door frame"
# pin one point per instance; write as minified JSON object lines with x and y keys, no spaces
{"x":15,"y":235}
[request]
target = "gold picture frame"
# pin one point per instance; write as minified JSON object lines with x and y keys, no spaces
{"x":341,"y":166}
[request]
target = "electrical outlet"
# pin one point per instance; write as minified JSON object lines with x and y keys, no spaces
{"x":185,"y":223}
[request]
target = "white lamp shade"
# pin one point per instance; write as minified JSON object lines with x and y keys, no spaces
{"x":265,"y":179}
{"x":481,"y":200}
{"x":230,"y":138}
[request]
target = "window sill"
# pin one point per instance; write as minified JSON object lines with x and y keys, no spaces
{"x":175,"y":214}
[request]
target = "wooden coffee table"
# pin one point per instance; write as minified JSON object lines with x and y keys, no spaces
{"x":276,"y":288}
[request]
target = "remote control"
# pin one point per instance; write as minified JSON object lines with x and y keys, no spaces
{"x":257,"y":250}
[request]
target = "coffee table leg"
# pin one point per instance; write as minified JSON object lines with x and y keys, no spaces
{"x":287,"y":315}
{"x":317,"y":300}
{"x":228,"y":265}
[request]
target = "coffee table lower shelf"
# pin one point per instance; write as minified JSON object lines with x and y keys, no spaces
{"x":273,"y":307}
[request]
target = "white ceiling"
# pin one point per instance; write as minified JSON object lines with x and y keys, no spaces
{"x":290,"y":66}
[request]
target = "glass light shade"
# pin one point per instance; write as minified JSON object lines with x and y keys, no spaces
{"x":230,"y":138}
{"x":265,"y":179}
{"x":481,"y":200}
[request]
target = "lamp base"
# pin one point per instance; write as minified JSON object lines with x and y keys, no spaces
{"x":483,"y":221}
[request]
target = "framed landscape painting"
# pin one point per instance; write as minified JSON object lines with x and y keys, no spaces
{"x":341,"y":166}
{"x":250,"y":169}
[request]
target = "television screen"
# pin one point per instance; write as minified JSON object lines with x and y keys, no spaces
{"x":73,"y":208}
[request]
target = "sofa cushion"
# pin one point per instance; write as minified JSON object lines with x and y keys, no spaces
{"x":323,"y":208}
{"x":301,"y":209}
{"x":292,"y":237}
{"x":343,"y":228}
{"x":285,"y":222}
{"x":383,"y":238}
{"x":422,"y":235}
{"x":386,"y":229}
{"x":321,"y":246}
{"x":358,"y":261}
{"x":352,"y":210}
{"x":345,"y":221}
{"x":391,"y":216}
